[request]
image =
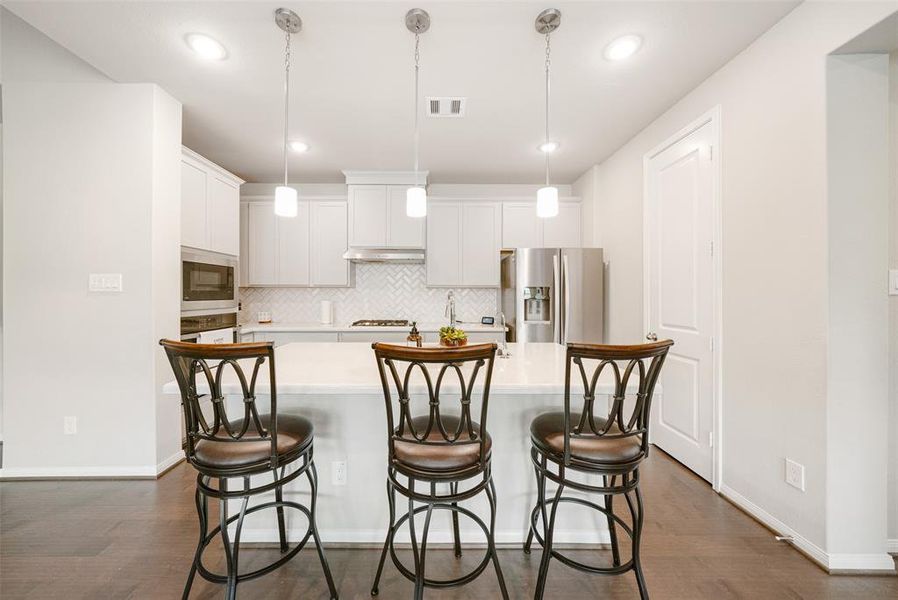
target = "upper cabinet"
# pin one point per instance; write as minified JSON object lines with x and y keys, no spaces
{"x":463,"y":244}
{"x":521,"y":228}
{"x":210,"y":205}
{"x":301,"y":251}
{"x":377,"y":218}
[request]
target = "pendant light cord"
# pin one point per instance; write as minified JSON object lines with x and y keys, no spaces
{"x":417,"y":133}
{"x":548,"y":64}
{"x":286,"y":100}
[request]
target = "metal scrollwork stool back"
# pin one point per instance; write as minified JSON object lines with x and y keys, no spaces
{"x":249,"y":447}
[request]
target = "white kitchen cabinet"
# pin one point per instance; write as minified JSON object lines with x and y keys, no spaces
{"x":210,"y":205}
{"x":402,"y":231}
{"x":520,"y":225}
{"x":301,"y":251}
{"x":480,"y":244}
{"x":243,"y":268}
{"x":262,"y":262}
{"x":193,"y":206}
{"x":293,"y":248}
{"x":377,"y":218}
{"x":521,"y":228}
{"x":443,"y":258}
{"x":223,"y":218}
{"x":328,"y":244}
{"x":368,"y":216}
{"x":563,"y":230}
{"x":463,"y":243}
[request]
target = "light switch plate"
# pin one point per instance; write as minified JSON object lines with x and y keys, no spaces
{"x":893,"y":282}
{"x":105,"y":282}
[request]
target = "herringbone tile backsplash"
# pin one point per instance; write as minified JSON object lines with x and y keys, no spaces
{"x":381,"y":291}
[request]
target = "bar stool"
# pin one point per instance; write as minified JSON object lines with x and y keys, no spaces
{"x":240,"y":449}
{"x":437,"y":448}
{"x":613,"y":447}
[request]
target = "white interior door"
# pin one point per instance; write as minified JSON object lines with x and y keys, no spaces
{"x":680,"y":287}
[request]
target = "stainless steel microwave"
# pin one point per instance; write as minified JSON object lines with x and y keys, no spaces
{"x":208,"y":280}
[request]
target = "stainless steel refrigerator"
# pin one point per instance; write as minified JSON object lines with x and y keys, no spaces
{"x":554,"y":294}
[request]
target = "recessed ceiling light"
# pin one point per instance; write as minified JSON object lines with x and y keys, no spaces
{"x":206,"y":47}
{"x":623,"y":47}
{"x":548,"y":147}
{"x":299,"y":146}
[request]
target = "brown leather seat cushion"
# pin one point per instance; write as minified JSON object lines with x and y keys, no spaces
{"x":294,"y":432}
{"x":445,"y":457}
{"x":547,"y":433}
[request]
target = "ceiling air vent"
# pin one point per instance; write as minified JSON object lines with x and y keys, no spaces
{"x":445,"y":107}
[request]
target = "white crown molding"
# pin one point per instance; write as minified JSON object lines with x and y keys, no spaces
{"x":385,"y":177}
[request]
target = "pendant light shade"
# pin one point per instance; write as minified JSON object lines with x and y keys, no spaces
{"x":417,"y":21}
{"x":286,"y":201}
{"x":416,"y":202}
{"x":547,"y":197}
{"x":547,"y":202}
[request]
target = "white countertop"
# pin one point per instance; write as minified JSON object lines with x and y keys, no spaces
{"x":344,"y":328}
{"x":346,"y":369}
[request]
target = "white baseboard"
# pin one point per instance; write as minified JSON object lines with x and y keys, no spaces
{"x":830,"y":562}
{"x":79,"y":472}
{"x":861,"y":562}
{"x":372,"y":537}
{"x":810,"y":549}
{"x":169,"y":462}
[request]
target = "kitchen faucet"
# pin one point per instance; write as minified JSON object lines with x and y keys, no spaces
{"x":503,"y":345}
{"x":450,"y":309}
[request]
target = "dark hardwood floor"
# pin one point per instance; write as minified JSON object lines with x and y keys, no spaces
{"x":135,"y":539}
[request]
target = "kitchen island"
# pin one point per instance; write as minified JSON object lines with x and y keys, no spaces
{"x":337,"y":387}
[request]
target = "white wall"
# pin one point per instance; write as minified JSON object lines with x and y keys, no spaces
{"x":858,"y":344}
{"x":893,"y":304}
{"x":87,"y":187}
{"x":775,"y":319}
{"x":28,"y":55}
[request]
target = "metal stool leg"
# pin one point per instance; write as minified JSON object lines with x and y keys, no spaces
{"x":453,"y":487}
{"x":549,"y":526}
{"x":312,"y":474}
{"x":279,"y":496}
{"x":612,"y":530}
{"x":540,"y":494}
{"x":491,"y":539}
{"x":419,"y":581}
{"x":202,"y":509}
{"x":636,"y":512}
{"x":391,"y":499}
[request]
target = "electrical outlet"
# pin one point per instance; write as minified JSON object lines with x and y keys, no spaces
{"x":338,"y":472}
{"x":795,"y":474}
{"x":70,"y":425}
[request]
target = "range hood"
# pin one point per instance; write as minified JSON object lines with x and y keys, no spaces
{"x":385,"y":255}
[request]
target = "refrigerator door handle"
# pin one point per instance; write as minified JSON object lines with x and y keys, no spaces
{"x":556,"y":312}
{"x":566,"y":291}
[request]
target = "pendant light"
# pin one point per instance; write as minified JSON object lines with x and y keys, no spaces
{"x":286,"y":203}
{"x":547,"y":197}
{"x":417,"y":21}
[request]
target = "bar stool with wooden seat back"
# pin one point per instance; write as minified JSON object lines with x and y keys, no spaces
{"x":440,"y":456}
{"x":572,"y":446}
{"x":256,"y":450}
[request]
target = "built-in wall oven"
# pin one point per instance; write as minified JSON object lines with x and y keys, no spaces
{"x":213,"y":328}
{"x":208,"y":281}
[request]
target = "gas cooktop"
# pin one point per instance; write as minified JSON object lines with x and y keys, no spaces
{"x":381,"y":323}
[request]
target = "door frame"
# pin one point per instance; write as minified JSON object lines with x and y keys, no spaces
{"x":713,"y":117}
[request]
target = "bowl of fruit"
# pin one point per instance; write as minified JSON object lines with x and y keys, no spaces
{"x":452,"y":337}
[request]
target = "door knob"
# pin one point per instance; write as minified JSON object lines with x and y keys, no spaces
{"x":652,"y":336}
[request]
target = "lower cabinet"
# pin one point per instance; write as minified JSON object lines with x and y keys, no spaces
{"x":288,"y":337}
